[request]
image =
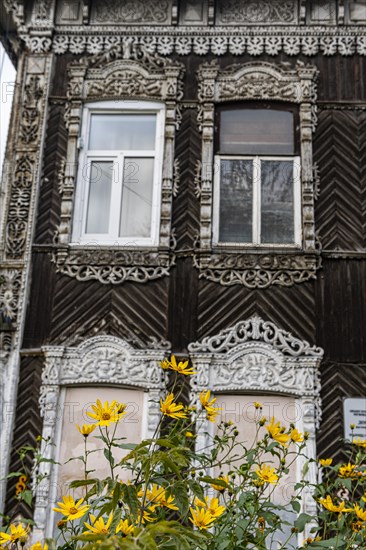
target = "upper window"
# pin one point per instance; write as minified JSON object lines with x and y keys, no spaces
{"x":120,"y":172}
{"x":257,"y":178}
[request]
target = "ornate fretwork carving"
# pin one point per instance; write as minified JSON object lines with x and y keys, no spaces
{"x":18,"y":212}
{"x":256,"y":356}
{"x":16,"y":9}
{"x":271,"y":40}
{"x":10,"y":284}
{"x":260,"y":12}
{"x":97,"y":361}
{"x":176,"y":177}
{"x":257,"y":270}
{"x":267,"y":82}
{"x":256,"y":329}
{"x":141,"y":11}
{"x":113,"y":266}
{"x":33,"y":92}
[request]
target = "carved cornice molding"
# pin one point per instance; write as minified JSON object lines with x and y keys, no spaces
{"x":113,"y":266}
{"x":257,"y":270}
{"x":99,"y":360}
{"x":272,"y":40}
{"x":256,"y":329}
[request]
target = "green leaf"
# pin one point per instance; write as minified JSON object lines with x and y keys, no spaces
{"x":296,"y":506}
{"x":27,"y":496}
{"x":302,"y":520}
{"x":305,"y":469}
{"x":109,"y":457}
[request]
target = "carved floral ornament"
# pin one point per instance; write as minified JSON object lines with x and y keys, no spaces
{"x":97,"y":361}
{"x":126,"y":71}
{"x":264,"y":82}
{"x":256,"y":356}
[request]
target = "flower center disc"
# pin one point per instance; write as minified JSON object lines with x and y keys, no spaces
{"x":73,"y":510}
{"x":106,"y":416}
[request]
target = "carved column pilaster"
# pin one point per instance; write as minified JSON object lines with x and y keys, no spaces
{"x":21,"y":192}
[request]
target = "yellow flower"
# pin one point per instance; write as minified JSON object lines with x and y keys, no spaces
{"x":105,"y":414}
{"x":201,"y":518}
{"x":189,"y":434}
{"x":220,"y":488}
{"x":325,"y":461}
{"x":296,"y":436}
{"x":157,"y":496}
{"x":267,"y":474}
{"x":357,"y":526}
{"x":125,"y":527}
{"x":165,"y":365}
{"x":38,"y":546}
{"x":327,"y":503}
{"x":352,"y":426}
{"x":211,"y":505}
{"x":261,"y":523}
{"x":98,"y":527}
{"x":361,"y":514}
{"x":71,"y":509}
{"x":181,"y":367}
{"x":310,"y":540}
{"x":211,"y":413}
{"x":360,"y":442}
{"x":258,"y":405}
{"x":276,"y":432}
{"x":171,"y":409}
{"x":86,"y":429}
{"x":347,"y":470}
{"x":205,"y":399}
{"x":17,"y":532}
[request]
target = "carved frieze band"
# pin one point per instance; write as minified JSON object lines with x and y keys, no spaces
{"x":250,"y":40}
{"x":10,"y":285}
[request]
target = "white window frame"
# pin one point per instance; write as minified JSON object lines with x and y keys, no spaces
{"x":256,"y":206}
{"x":86,"y":157}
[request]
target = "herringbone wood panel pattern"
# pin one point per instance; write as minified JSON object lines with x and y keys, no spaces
{"x":338,"y":381}
{"x":290,"y":308}
{"x":339,"y":151}
{"x":48,"y":216}
{"x":28,"y":426}
{"x":186,"y":205}
{"x":81,"y":310}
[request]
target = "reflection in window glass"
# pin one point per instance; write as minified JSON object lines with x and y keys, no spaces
{"x":100,"y":188}
{"x":256,"y":132}
{"x":111,"y":132}
{"x":137,"y":193}
{"x":236,"y":200}
{"x":277,"y":202}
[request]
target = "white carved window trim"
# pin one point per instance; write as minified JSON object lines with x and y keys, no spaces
{"x":126,"y":72}
{"x":86,"y":157}
{"x":256,"y":205}
{"x":294,"y":371}
{"x":101,"y":360}
{"x":264,"y":266}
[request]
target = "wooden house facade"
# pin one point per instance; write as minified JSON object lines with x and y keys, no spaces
{"x":182,"y":177}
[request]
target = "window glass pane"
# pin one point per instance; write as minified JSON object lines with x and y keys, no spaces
{"x":277,"y":201}
{"x":236,"y":201}
{"x":256,"y":132}
{"x":137,"y":191}
{"x":122,"y":132}
{"x":97,"y":219}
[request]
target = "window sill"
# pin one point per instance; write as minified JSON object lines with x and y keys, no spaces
{"x":112,"y":264}
{"x":257,"y":268}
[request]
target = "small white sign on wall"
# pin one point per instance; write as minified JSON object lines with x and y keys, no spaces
{"x":354,"y":413}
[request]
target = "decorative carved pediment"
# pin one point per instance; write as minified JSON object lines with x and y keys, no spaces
{"x":255,"y":329}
